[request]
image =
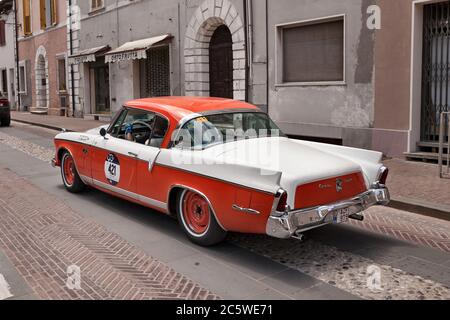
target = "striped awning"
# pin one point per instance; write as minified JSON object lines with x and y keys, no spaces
{"x":88,"y":55}
{"x":134,"y":49}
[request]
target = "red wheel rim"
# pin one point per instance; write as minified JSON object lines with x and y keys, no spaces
{"x":196,"y":212}
{"x":69,"y":170}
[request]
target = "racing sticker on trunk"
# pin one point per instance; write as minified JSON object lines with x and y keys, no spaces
{"x":112,"y":169}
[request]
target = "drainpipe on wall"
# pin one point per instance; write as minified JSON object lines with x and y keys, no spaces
{"x":249,"y":45}
{"x":72,"y":72}
{"x":267,"y":54}
{"x":16,"y":36}
{"x":245,"y":4}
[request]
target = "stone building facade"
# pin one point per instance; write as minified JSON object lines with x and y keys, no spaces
{"x":348,"y":72}
{"x":43,"y":86}
{"x":232,"y":48}
{"x":7,"y":52}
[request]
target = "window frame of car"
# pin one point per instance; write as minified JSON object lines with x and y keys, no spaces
{"x":186,"y":120}
{"x":122,"y":115}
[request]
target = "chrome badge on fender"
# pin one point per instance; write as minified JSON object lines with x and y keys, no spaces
{"x":339,"y":185}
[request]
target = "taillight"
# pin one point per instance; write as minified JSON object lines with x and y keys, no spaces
{"x":383,"y":176}
{"x":282,"y":204}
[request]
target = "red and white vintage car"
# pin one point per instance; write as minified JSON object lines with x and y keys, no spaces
{"x":221,"y":165}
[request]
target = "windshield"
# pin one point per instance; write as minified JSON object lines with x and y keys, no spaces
{"x":206,"y":131}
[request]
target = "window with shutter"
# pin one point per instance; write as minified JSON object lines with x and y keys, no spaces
{"x":2,"y":33}
{"x":54,"y":12}
{"x":26,"y":17}
{"x":43,"y":18}
{"x":48,"y":13}
{"x":314,"y":52}
{"x":96,"y":4}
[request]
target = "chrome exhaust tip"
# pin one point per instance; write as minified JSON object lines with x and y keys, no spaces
{"x":357,"y":217}
{"x":299,"y":236}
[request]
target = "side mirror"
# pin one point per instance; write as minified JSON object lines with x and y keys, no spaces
{"x":103,"y":132}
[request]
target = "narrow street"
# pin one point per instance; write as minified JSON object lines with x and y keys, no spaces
{"x":125,"y":251}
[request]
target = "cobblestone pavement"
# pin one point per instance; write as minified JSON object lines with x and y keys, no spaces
{"x":43,"y":237}
{"x":29,"y":148}
{"x":344,"y":270}
{"x":409,"y":227}
{"x":419,"y":183}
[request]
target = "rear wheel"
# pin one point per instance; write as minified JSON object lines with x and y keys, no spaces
{"x":5,"y":121}
{"x":197,"y":219}
{"x":70,"y":177}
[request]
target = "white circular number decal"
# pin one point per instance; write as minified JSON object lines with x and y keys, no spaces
{"x":112,"y":169}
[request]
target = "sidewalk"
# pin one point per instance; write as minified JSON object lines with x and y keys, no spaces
{"x":56,"y":122}
{"x":414,"y":186}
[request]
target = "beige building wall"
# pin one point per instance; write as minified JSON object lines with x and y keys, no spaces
{"x":392,"y":77}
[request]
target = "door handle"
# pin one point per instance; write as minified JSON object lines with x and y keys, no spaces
{"x":133,"y":154}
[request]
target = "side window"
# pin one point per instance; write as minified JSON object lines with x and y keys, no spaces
{"x":137,"y":126}
{"x":114,"y":129}
{"x":161,"y":126}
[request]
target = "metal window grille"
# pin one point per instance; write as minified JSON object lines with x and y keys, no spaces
{"x":436,"y":69}
{"x":157,"y":82}
{"x":444,"y":146}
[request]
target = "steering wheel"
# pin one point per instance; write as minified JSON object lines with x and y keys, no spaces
{"x":143,"y":123}
{"x":150,"y":128}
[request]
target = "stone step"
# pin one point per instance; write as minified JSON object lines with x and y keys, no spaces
{"x":431,"y":157}
{"x":430,"y":144}
{"x":39,"y":110}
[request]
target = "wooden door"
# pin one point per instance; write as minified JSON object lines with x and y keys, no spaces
{"x":221,"y":63}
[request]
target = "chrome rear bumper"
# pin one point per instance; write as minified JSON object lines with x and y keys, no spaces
{"x":285,"y":225}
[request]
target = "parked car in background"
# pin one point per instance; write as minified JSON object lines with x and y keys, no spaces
{"x":221,"y":165}
{"x":5,"y":112}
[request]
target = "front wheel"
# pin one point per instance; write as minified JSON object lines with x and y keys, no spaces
{"x":197,"y":219}
{"x":70,"y":177}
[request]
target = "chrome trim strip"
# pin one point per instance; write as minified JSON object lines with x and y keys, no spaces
{"x":245,"y":210}
{"x":132,"y":195}
{"x":152,"y":163}
{"x":87,"y":180}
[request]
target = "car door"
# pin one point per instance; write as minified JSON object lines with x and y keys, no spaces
{"x":114,"y":159}
{"x":114,"y":165}
{"x":148,"y":186}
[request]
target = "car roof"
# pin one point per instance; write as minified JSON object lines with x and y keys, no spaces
{"x":180,"y":107}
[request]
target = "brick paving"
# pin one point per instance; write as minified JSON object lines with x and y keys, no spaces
{"x":42,"y":237}
{"x":409,"y":227}
{"x":416,"y":182}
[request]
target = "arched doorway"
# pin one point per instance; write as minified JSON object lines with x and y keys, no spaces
{"x":42,"y":86}
{"x":221,"y":63}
